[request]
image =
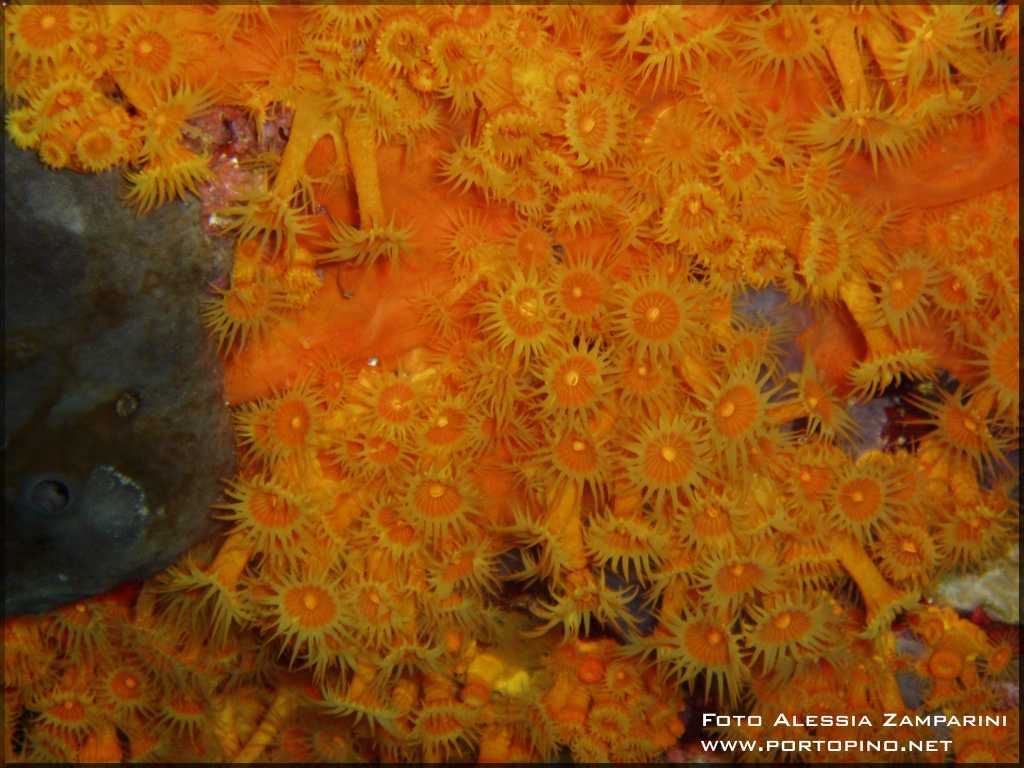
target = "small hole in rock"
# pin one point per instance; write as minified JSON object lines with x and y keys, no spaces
{"x":50,"y":495}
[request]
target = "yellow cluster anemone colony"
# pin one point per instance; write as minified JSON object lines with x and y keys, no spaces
{"x":548,"y":337}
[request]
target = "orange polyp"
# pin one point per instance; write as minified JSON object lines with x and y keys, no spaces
{"x":860,"y":499}
{"x":292,"y":422}
{"x":591,"y":670}
{"x":945,"y":664}
{"x":271,"y":511}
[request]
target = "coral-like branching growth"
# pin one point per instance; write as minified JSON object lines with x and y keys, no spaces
{"x":521,"y":463}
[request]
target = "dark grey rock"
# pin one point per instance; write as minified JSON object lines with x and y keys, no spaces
{"x":116,"y":437}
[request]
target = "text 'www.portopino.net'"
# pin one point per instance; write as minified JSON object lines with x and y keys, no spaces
{"x":736,"y":746}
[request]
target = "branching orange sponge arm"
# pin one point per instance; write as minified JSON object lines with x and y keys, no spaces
{"x":309,"y":123}
{"x":875,"y":679}
{"x":362,"y":157}
{"x":784,"y":413}
{"x":145,"y":604}
{"x":843,"y":53}
{"x":884,"y":44}
{"x":695,"y":373}
{"x":11,"y":716}
{"x":281,"y":708}
{"x":231,"y":559}
{"x":102,"y":746}
{"x":859,"y":299}
{"x":880,"y":597}
{"x":888,"y":689}
{"x":629,"y":500}
{"x":224,"y":727}
{"x":564,"y":522}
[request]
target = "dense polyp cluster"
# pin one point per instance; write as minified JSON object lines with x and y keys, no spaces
{"x":517,"y":468}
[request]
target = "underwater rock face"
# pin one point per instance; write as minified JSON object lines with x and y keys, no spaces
{"x":115,"y":437}
{"x":996,"y":589}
